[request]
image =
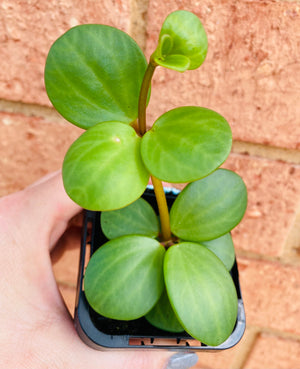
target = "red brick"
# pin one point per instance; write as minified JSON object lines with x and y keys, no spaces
{"x":29,"y":28}
{"x":273,"y":199}
{"x":31,"y":147}
{"x":274,"y":352}
{"x":252,"y":71}
{"x":273,"y":202}
{"x":223,"y":359}
{"x":271,"y":294}
{"x":65,"y":257}
{"x":65,"y":262}
{"x":69,"y":295}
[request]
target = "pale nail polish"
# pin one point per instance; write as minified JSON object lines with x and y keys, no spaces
{"x":182,"y":361}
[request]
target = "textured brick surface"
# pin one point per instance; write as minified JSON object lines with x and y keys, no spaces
{"x":27,"y":30}
{"x":273,"y":198}
{"x":65,"y":257}
{"x":252,"y":71}
{"x":251,"y":76}
{"x":65,"y":261}
{"x":274,"y":352}
{"x":271,"y":293}
{"x":225,"y":358}
{"x":29,"y":148}
{"x":68,"y":294}
{"x":273,"y":202}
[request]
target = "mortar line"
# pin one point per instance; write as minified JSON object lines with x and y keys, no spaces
{"x":266,"y":152}
{"x":292,"y":244}
{"x":245,"y":148}
{"x":271,"y":259}
{"x":48,"y":113}
{"x":61,"y":282}
{"x":245,"y":348}
{"x":275,"y":332}
{"x":288,"y":1}
{"x":138,"y":22}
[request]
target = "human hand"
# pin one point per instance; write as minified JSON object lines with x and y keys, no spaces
{"x":37,"y":330}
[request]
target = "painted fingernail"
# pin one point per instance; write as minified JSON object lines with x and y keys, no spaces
{"x":182,"y":361}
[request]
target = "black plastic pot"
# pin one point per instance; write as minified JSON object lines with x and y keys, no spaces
{"x":103,"y":333}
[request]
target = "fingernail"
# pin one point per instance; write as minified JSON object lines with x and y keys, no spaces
{"x":182,"y":361}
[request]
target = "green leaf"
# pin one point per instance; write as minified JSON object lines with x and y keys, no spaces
{"x":165,"y":44}
{"x":223,"y":248}
{"x":209,"y":208}
{"x":186,"y":144}
{"x":201,"y":292}
{"x":182,"y":34}
{"x":124,"y":277}
{"x":94,"y":74}
{"x":180,"y":63}
{"x":102,"y":164}
{"x":136,"y":218}
{"x":163,"y":317}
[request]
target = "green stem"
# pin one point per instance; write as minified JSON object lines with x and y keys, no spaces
{"x":158,"y":187}
{"x":162,"y":208}
{"x":143,"y":96}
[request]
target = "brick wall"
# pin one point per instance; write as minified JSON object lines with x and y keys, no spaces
{"x":251,"y":76}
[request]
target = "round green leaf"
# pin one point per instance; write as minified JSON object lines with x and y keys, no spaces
{"x":163,"y":317}
{"x":136,"y":218}
{"x":201,"y":292}
{"x":94,"y":74}
{"x":182,"y":35}
{"x":102,"y":164}
{"x":209,"y":208}
{"x":124,"y":278}
{"x":224,"y":249}
{"x":186,"y":144}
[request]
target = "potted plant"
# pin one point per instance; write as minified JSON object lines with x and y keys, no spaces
{"x":164,"y":262}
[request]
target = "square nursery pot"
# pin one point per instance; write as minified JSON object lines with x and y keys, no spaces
{"x":101,"y":333}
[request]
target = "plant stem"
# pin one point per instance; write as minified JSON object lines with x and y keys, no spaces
{"x":143,"y":96}
{"x":162,"y":208}
{"x":158,"y":187}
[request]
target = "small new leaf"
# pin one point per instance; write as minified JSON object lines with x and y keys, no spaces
{"x":182,"y":42}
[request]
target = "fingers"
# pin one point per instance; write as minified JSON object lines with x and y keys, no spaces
{"x":36,"y":218}
{"x":71,"y":352}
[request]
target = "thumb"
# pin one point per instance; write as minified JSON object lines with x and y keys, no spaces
{"x":49,"y":207}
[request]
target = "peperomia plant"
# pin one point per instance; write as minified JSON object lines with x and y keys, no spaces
{"x":173,"y":270}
